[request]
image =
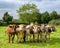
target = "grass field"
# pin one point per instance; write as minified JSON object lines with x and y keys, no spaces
{"x":54,"y":42}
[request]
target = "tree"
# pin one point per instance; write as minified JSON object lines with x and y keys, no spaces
{"x":53,"y":15}
{"x":45,"y":17}
{"x":39,"y":17}
{"x":7,"y":18}
{"x":58,"y":16}
{"x":28,"y":13}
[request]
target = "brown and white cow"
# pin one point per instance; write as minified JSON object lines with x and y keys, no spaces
{"x":45,"y":30}
{"x":29,"y":31}
{"x":20,"y":32}
{"x":41,"y":30}
{"x":36,"y":31}
{"x":49,"y":29}
{"x":11,"y":31}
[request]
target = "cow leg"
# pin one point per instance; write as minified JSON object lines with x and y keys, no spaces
{"x":13,"y":38}
{"x":45,"y":36}
{"x":17,"y":36}
{"x":24,"y":37}
{"x":9,"y":38}
{"x":40,"y":36}
{"x":33,"y":37}
{"x":49,"y":35}
{"x":30,"y":38}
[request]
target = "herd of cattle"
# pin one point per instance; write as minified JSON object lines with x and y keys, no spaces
{"x":31,"y":32}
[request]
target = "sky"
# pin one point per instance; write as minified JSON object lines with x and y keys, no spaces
{"x":43,"y":5}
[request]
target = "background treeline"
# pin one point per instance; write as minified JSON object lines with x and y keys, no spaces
{"x":30,"y":13}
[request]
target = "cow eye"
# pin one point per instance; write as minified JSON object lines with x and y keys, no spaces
{"x":10,"y":26}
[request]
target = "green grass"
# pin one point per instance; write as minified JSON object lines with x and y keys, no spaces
{"x":54,"y":42}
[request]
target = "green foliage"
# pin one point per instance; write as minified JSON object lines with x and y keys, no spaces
{"x":38,"y":17}
{"x":45,"y":18}
{"x":28,"y":13}
{"x":7,"y":17}
{"x":2,"y":23}
{"x":53,"y":15}
{"x":15,"y":21}
{"x":36,"y":23}
{"x":55,"y":22}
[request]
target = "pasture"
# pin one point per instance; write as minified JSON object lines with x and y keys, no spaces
{"x":54,"y":42}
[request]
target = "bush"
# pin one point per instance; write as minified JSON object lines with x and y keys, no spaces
{"x":16,"y":21}
{"x":2,"y":23}
{"x":55,"y":22}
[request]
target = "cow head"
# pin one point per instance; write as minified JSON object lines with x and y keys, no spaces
{"x":35,"y":28}
{"x":53,"y":28}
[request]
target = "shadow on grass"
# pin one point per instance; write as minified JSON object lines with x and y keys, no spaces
{"x":52,"y":41}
